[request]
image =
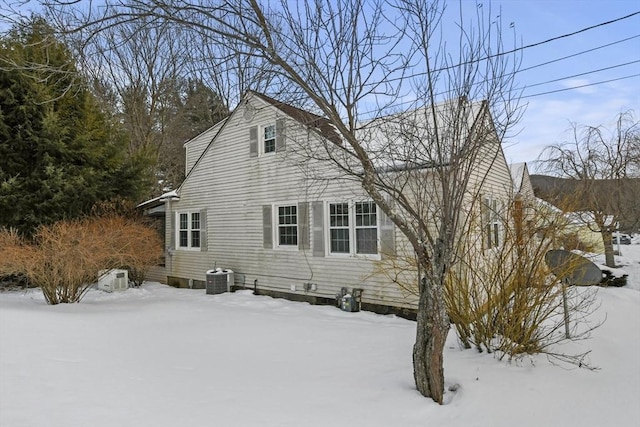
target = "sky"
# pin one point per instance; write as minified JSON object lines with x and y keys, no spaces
{"x":547,"y":117}
{"x":588,"y":82}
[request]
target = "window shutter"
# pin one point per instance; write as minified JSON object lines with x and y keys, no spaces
{"x":318,"y":228}
{"x":280,"y":135}
{"x":387,"y":235}
{"x":485,"y":222}
{"x":303,"y":226}
{"x":253,"y":141}
{"x":267,"y":227}
{"x":204,"y":245}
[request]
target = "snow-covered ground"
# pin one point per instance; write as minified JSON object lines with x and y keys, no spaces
{"x":159,"y":356}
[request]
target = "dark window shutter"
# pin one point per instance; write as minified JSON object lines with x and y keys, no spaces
{"x":204,"y":245}
{"x":485,"y":222}
{"x":303,"y":226}
{"x":387,"y":235}
{"x":253,"y":141}
{"x":267,"y":227}
{"x":318,"y":228}
{"x":280,"y":135}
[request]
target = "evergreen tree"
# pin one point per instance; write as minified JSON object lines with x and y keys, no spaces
{"x":59,"y":153}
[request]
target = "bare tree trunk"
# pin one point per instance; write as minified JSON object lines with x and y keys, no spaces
{"x":610,"y":260}
{"x":431,"y":334}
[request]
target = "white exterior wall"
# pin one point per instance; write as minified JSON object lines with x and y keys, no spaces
{"x":196,"y":146}
{"x":233,"y":187}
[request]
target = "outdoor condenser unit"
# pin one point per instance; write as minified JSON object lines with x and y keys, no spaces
{"x":113,"y":280}
{"x":219,"y":281}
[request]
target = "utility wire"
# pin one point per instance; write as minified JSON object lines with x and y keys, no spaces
{"x":579,"y":53}
{"x":496,"y":55}
{"x":550,"y":62}
{"x":582,"y":74}
{"x":542,"y":64}
{"x":581,"y":86}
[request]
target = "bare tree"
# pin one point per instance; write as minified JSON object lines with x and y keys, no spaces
{"x":412,"y":117}
{"x":603,"y":168}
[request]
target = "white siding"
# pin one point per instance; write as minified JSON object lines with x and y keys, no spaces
{"x":196,"y":146}
{"x":234,"y":186}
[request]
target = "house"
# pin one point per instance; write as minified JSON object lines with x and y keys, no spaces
{"x":257,"y":201}
{"x":521,"y":180}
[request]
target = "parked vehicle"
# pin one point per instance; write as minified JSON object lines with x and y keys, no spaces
{"x":625,"y":239}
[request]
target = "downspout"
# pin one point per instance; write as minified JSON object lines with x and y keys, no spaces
{"x":168,"y":248}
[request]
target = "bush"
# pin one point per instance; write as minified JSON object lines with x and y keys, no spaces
{"x":64,"y":259}
{"x":504,"y":299}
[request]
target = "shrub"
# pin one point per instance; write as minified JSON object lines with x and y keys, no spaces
{"x":64,"y":258}
{"x":505,"y":299}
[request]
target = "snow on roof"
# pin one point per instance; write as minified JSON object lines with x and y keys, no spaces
{"x":405,"y":140}
{"x":160,"y":199}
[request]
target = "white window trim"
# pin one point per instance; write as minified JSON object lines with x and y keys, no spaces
{"x":189,"y":230}
{"x":275,"y":224}
{"x":352,"y":231}
{"x":262,"y":140}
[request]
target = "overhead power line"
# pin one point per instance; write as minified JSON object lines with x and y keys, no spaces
{"x":602,"y":24}
{"x":580,"y":86}
{"x":578,"y":53}
{"x":583,"y":74}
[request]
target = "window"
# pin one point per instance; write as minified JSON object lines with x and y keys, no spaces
{"x":189,"y":229}
{"x":356,"y":222}
{"x":491,"y":220}
{"x":288,"y":226}
{"x":267,"y":139}
{"x":195,"y":230}
{"x":366,"y":228}
{"x":270,"y":139}
{"x":339,"y":227}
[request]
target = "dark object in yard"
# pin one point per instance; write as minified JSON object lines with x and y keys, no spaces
{"x":573,"y":269}
{"x":349,"y":301}
{"x":14,"y":281}
{"x":610,"y":280}
{"x":625,"y":239}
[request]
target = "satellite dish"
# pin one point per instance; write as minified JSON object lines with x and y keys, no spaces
{"x":249,"y":112}
{"x":573,"y":269}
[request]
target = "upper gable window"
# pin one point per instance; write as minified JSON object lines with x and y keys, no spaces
{"x":269,"y":139}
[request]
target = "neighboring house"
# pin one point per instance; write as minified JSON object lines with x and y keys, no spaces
{"x":252,"y":202}
{"x":521,"y":180}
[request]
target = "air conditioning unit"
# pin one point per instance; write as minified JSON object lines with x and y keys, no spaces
{"x":219,"y":281}
{"x":113,"y":280}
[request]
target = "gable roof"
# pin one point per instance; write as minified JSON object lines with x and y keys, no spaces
{"x":319,"y":123}
{"x":453,"y":120}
